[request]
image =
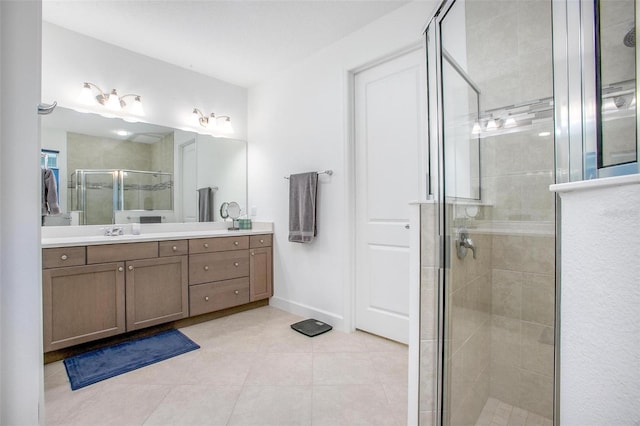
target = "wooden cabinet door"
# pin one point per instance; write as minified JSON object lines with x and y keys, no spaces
{"x":82,"y":303}
{"x":157,"y":291}
{"x":260,"y":273}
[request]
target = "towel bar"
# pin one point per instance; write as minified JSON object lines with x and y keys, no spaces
{"x":324,"y":172}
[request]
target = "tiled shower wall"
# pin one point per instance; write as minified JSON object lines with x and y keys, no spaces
{"x":428,"y":312}
{"x":522,"y":321}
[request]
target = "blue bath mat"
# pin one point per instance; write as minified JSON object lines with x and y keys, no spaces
{"x":100,"y":364}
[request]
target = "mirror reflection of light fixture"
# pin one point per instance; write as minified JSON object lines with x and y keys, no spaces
{"x":211,"y":121}
{"x":509,"y":122}
{"x":111,"y":101}
{"x":491,"y":125}
{"x":475,"y":130}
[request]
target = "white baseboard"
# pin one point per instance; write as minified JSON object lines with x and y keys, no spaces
{"x":336,"y":321}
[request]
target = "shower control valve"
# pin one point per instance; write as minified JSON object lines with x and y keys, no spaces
{"x":463,"y":242}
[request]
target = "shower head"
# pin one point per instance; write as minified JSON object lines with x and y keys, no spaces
{"x":630,"y":37}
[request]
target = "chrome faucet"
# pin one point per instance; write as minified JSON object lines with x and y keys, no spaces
{"x":112,"y":231}
{"x":463,"y":242}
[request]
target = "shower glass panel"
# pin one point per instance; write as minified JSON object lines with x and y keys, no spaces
{"x":146,"y":190}
{"x":96,"y":198}
{"x":494,"y":79}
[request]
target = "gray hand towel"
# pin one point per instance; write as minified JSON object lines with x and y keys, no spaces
{"x":205,"y":205}
{"x":303,"y":190}
{"x":49,"y":193}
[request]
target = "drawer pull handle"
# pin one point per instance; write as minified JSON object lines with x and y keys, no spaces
{"x":235,"y":243}
{"x":131,"y":267}
{"x":261,"y":241}
{"x":64,"y":257}
{"x":206,"y":298}
{"x":206,"y":245}
{"x":174,"y":248}
{"x":236,"y":292}
{"x":206,"y":268}
{"x":236,"y":264}
{"x":120,"y":269}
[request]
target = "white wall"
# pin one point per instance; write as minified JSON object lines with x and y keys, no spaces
{"x":600,"y":296}
{"x":299,"y":121}
{"x":21,"y":371}
{"x":169,"y":93}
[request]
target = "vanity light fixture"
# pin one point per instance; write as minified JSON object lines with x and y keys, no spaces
{"x":475,"y":130}
{"x":111,"y":101}
{"x":211,"y":121}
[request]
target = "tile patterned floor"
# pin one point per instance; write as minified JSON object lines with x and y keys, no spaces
{"x":252,"y":369}
{"x":498,"y":413}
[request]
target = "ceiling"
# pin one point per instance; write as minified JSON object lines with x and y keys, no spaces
{"x":237,"y":41}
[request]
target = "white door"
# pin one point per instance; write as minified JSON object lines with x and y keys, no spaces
{"x":188,"y":188}
{"x":389,"y":127}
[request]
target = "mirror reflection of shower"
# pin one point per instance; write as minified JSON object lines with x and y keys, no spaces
{"x":110,"y":196}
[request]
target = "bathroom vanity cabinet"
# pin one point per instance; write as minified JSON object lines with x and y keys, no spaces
{"x":96,"y":291}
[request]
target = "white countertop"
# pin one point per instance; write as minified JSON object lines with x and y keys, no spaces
{"x":65,"y":236}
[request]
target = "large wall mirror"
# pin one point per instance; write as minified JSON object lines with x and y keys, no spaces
{"x":112,"y":171}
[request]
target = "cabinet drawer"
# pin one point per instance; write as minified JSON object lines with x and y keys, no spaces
{"x":173,"y":248}
{"x":257,"y":241}
{"x":211,"y":297}
{"x":218,"y":266}
{"x":63,"y":256}
{"x":209,"y":245}
{"x":119,"y":252}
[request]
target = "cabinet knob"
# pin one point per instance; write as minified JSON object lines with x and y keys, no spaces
{"x":206,"y":298}
{"x":236,"y":264}
{"x":206,"y":268}
{"x":253,"y":253}
{"x":236,"y":292}
{"x":120,"y":269}
{"x":64,"y":257}
{"x":174,"y":248}
{"x":131,"y":267}
{"x":261,"y":241}
{"x":206,"y":245}
{"x":235,"y":243}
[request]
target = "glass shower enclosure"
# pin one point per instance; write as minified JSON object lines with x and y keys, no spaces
{"x":98,"y":194}
{"x":491,"y":105}
{"x":522,"y":95}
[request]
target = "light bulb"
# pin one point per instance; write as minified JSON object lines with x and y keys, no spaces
{"x":476,"y":129}
{"x":113,"y":102}
{"x":213,"y":121}
{"x":136,"y":107}
{"x":226,"y":126}
{"x":609,"y":105}
{"x":86,"y":97}
{"x":491,"y":125}
{"x":510,"y":122}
